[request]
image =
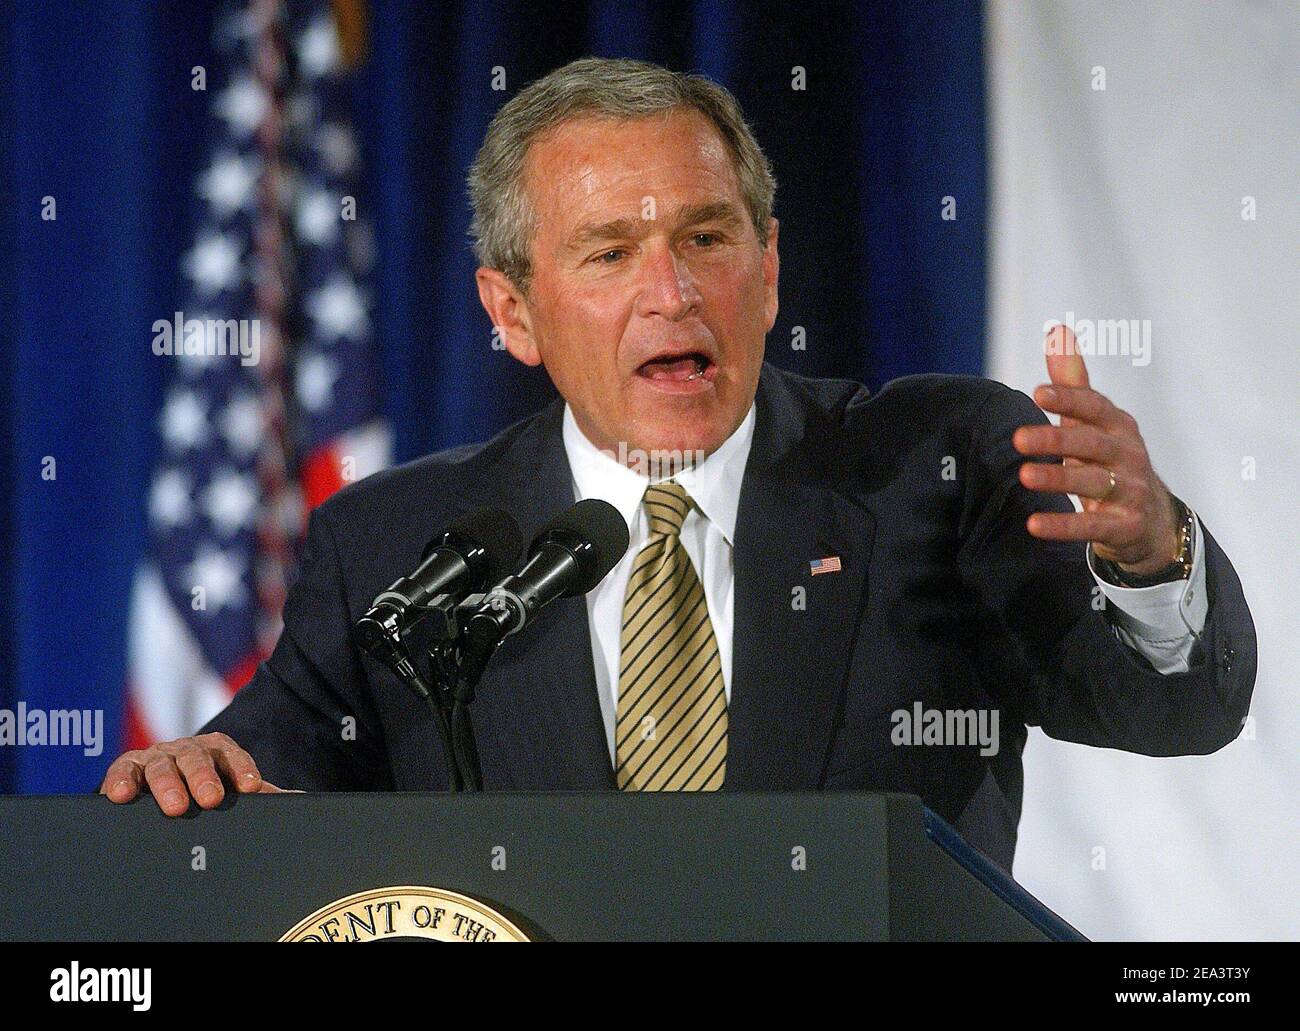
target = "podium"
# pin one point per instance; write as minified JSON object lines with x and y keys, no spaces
{"x":487,"y":867}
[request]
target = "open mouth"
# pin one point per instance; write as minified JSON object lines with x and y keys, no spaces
{"x":681,"y":367}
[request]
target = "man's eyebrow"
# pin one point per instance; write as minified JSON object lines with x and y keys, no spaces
{"x":618,"y":229}
{"x":714,"y":211}
{"x":625,"y":228}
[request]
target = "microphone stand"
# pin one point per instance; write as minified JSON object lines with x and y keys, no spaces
{"x":455,"y":692}
{"x":406,"y":670}
{"x":458,"y":661}
{"x":384,"y":641}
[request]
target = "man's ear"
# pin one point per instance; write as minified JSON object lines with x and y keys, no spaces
{"x":508,"y":310}
{"x":771,"y":271}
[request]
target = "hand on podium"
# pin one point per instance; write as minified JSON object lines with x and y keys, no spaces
{"x":174,"y":771}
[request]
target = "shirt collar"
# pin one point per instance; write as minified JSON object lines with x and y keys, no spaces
{"x":714,"y":484}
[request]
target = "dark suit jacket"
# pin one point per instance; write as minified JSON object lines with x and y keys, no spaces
{"x":943,"y":598}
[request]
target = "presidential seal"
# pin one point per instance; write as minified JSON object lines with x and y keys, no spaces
{"x":406,"y":914}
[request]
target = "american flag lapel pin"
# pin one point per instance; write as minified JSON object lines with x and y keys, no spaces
{"x":830,"y":564}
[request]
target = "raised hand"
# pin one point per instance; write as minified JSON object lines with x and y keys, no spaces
{"x":1128,"y":514}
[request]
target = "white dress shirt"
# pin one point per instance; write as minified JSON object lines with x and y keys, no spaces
{"x":1161,"y":623}
{"x":714,"y":486}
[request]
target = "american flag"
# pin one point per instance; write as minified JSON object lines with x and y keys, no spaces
{"x":825,"y":565}
{"x":279,"y":255}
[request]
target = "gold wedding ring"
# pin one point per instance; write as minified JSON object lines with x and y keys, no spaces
{"x":1110,"y":489}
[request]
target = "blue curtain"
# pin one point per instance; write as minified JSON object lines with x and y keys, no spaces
{"x":96,"y":112}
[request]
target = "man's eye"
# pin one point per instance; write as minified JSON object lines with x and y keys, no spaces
{"x":705,"y":239}
{"x":600,"y":259}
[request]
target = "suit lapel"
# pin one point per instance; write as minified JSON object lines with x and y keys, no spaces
{"x":794,"y":632}
{"x":537,"y":715}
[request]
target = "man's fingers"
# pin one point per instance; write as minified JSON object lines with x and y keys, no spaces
{"x":123,"y":779}
{"x":165,"y":783}
{"x":236,"y":764}
{"x":1099,"y":526}
{"x":1084,"y":405}
{"x":200,"y":774}
{"x":1064,"y":362}
{"x":189,"y":767}
{"x":1082,"y":441}
{"x":1087,"y":481}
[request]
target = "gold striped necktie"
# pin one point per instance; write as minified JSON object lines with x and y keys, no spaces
{"x":671,"y":731}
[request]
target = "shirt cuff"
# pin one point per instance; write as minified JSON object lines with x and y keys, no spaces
{"x":1164,"y":622}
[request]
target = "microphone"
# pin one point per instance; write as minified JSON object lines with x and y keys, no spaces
{"x":472,"y":553}
{"x":568,"y":557}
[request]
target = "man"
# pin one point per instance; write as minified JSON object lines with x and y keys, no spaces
{"x":835,"y":565}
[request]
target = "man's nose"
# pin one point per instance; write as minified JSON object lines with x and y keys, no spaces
{"x":667,"y":287}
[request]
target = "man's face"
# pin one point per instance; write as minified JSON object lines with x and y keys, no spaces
{"x":651,"y":295}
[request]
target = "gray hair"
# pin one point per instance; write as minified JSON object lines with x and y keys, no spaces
{"x":503,"y":224}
